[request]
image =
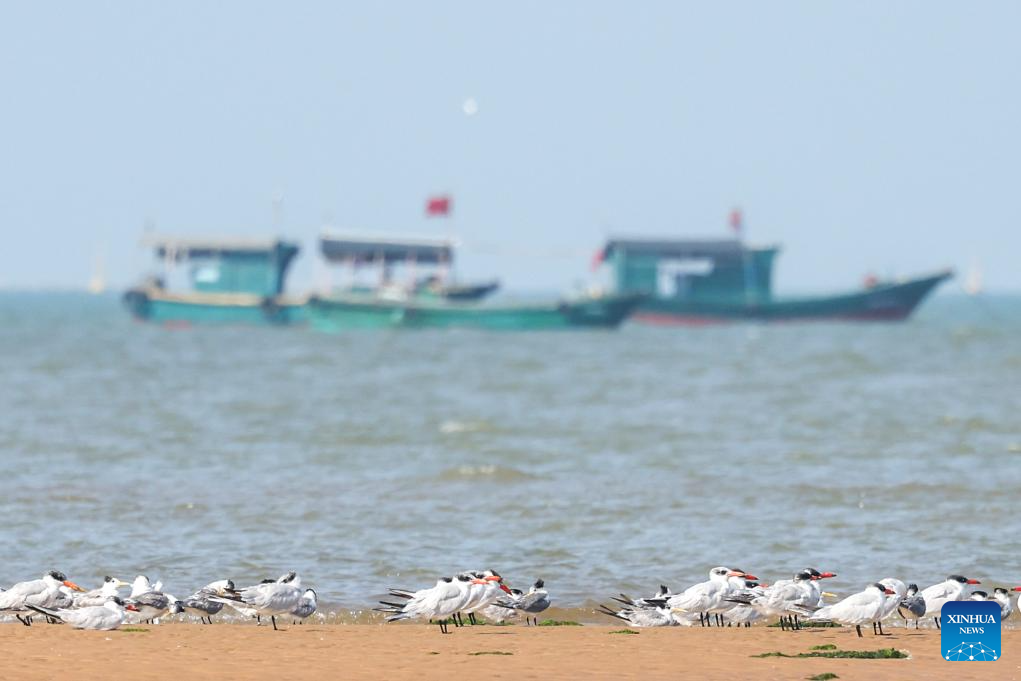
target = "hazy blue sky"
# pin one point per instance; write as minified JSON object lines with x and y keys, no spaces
{"x":877,"y":135}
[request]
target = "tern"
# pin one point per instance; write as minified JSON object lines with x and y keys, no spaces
{"x":861,"y":608}
{"x":704,"y":597}
{"x":951,"y":589}
{"x":438,"y":603}
{"x":201,"y":602}
{"x":39,"y":592}
{"x":272,"y":598}
{"x":912,"y":606}
{"x":104,"y":617}
{"x":99,"y":597}
{"x":535,"y":601}
{"x":498,"y":612}
{"x":306,"y":606}
{"x":892,"y":601}
{"x":1002,"y":596}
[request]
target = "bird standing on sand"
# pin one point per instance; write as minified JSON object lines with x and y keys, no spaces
{"x":1002,"y":596}
{"x":437,"y":604}
{"x":96,"y":617}
{"x":201,"y":602}
{"x":39,"y":592}
{"x":150,"y":603}
{"x":704,"y":597}
{"x":270,"y":599}
{"x":535,"y":601}
{"x":912,"y":606}
{"x":306,"y":606}
{"x":892,"y":601}
{"x":951,"y":589}
{"x":864,"y":607}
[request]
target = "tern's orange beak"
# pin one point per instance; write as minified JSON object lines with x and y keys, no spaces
{"x":71,"y":585}
{"x":494,"y":578}
{"x":130,"y":607}
{"x":478,"y":581}
{"x":889,"y":592}
{"x":827,"y":574}
{"x":751,"y":577}
{"x":1016,"y":588}
{"x":503,"y":587}
{"x":974,"y":581}
{"x":735,"y":573}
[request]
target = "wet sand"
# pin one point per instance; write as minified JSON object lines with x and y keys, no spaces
{"x":317,"y":651}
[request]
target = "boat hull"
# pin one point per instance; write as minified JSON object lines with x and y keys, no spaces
{"x":343,"y":313}
{"x":884,"y":302}
{"x":211,"y":309}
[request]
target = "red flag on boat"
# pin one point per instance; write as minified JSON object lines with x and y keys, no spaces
{"x":736,"y":221}
{"x":438,"y":206}
{"x":598,"y":258}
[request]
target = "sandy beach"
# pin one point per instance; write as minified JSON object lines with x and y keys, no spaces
{"x":316,"y":651}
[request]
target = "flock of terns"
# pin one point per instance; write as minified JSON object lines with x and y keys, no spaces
{"x":60,"y":600}
{"x":734,"y":597}
{"x":729,"y":597}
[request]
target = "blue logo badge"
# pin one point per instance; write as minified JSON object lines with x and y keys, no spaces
{"x":970,"y":631}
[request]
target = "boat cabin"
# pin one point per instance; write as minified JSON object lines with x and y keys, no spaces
{"x":253,"y":266}
{"x":691,"y":269}
{"x":427,"y":263}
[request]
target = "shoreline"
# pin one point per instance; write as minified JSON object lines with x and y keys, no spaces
{"x":315,"y":651}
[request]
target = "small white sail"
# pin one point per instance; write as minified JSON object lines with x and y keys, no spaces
{"x":973,"y":280}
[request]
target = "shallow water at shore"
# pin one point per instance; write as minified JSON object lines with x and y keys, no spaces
{"x":598,"y":461}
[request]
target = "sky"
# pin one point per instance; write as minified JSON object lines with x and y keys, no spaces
{"x":863,"y":137}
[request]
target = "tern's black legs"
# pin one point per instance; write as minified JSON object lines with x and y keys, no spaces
{"x":471,"y":618}
{"x":27,"y":621}
{"x":858,"y":629}
{"x":936,"y":620}
{"x":273,"y":618}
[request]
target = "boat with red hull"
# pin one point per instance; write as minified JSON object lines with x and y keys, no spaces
{"x":696,"y":282}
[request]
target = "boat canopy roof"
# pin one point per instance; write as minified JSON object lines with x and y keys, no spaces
{"x":359,"y":248}
{"x":676,"y":248}
{"x":183,"y":248}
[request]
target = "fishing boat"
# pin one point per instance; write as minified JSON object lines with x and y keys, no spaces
{"x":230,"y":281}
{"x":389,"y":304}
{"x":352,"y":310}
{"x":698,"y":281}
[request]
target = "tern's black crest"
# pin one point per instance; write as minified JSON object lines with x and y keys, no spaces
{"x":803,"y":576}
{"x":116,"y":600}
{"x":448,"y":580}
{"x":958,"y":578}
{"x":290,"y":577}
{"x":57,"y":575}
{"x":539,"y":584}
{"x":983,"y":594}
{"x":108,"y":579}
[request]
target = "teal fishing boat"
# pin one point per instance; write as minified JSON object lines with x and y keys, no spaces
{"x":229,"y":281}
{"x":390,"y":304}
{"x":719,"y":280}
{"x":350,"y":311}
